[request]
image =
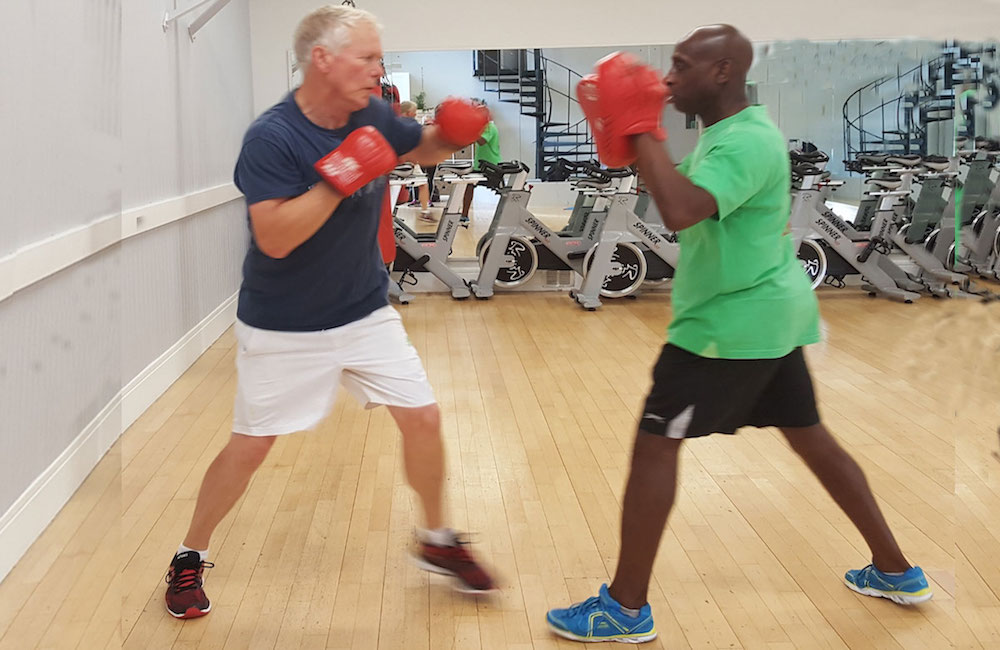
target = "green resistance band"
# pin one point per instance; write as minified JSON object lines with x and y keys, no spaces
{"x":959,"y":121}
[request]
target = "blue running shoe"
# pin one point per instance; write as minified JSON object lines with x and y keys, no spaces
{"x":907,"y":589}
{"x":600,"y":618}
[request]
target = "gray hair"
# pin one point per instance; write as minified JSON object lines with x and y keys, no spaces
{"x":330,"y":27}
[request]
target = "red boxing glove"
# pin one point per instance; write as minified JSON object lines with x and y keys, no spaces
{"x":363,"y":156}
{"x":621,"y":99}
{"x":461,"y":121}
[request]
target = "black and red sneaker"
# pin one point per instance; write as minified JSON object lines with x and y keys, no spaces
{"x":456,"y":561}
{"x":185,"y":596}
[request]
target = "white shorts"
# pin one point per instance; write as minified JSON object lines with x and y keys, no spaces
{"x":288,"y":380}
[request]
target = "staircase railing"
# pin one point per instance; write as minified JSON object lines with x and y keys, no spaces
{"x":931,"y":99}
{"x":909,"y":129}
{"x":571,"y":126}
{"x":572,"y":76}
{"x":560,"y":129}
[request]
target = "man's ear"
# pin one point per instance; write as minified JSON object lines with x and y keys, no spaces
{"x":723,"y":71}
{"x":321,"y":58}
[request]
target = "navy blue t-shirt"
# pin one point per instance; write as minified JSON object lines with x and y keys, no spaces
{"x":336,"y":276}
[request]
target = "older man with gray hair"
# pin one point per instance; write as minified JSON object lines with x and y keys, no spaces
{"x":313,"y":309}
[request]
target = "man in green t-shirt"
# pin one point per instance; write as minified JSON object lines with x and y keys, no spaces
{"x":742,"y":310}
{"x":488,"y":149}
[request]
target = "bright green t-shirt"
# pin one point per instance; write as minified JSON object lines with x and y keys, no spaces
{"x":739,"y":290}
{"x":490,"y":152}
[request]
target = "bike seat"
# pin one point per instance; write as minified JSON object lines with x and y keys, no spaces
{"x":936,"y":163}
{"x":872,"y":159}
{"x":906,"y":161}
{"x":591,"y":183}
{"x":809,"y":156}
{"x":886,"y":183}
{"x":987,"y":144}
{"x":457,"y":168}
{"x":404,"y":170}
{"x":512,"y":167}
{"x":619,"y":172}
{"x":807,"y":169}
{"x":561,"y":170}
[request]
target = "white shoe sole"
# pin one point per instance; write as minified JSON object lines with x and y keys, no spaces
{"x":896,"y":598}
{"x":582,"y":639}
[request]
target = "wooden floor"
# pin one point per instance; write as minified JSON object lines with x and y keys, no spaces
{"x":540,"y":402}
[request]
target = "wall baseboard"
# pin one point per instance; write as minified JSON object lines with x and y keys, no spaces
{"x":39,"y":260}
{"x":150,"y":384}
{"x":28,"y":517}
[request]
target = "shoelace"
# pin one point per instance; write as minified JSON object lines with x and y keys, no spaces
{"x":868,"y":574}
{"x":187,"y":579}
{"x":590,"y":603}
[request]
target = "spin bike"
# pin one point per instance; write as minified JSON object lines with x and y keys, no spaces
{"x":630,"y":251}
{"x":980,"y":248}
{"x":517,"y":243}
{"x":976,"y":192}
{"x":829,"y":252}
{"x":416,"y":252}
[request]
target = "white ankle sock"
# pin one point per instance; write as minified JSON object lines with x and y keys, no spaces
{"x":185,"y":549}
{"x":437,"y":537}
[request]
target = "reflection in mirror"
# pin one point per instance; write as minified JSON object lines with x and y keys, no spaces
{"x":853,"y":103}
{"x":972,"y":227}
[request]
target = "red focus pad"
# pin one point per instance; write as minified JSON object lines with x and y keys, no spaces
{"x":633,"y":95}
{"x":622,"y":98}
{"x":613,"y":151}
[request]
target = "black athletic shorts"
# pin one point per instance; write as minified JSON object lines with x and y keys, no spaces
{"x":694,"y":396}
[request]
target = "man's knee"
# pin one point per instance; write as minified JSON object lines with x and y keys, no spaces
{"x":250,"y":450}
{"x":420,"y":421}
{"x":653,"y":446}
{"x":810,"y":441}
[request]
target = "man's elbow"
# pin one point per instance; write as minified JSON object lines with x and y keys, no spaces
{"x":674,"y":224}
{"x":678,"y":219}
{"x":274,"y":252}
{"x":271,"y":247}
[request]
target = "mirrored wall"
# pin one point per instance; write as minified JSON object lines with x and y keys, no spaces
{"x":842,"y":97}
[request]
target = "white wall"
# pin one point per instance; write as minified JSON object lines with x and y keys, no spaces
{"x":436,"y":25}
{"x":186,"y":106}
{"x":184,"y":103}
{"x":60,"y":117}
{"x":107,"y":118}
{"x":61,"y":359}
